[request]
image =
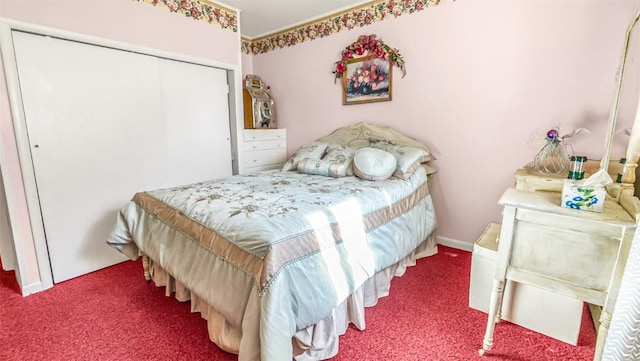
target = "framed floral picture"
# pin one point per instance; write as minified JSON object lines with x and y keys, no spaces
{"x":366,"y":80}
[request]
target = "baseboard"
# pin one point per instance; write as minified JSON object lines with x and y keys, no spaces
{"x":32,"y":288}
{"x":454,"y":243}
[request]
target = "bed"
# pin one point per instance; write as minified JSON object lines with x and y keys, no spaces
{"x":280,"y":262}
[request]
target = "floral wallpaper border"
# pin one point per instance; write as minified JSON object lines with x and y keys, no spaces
{"x":358,"y":16}
{"x":202,"y":10}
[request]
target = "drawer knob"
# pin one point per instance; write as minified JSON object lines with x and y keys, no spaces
{"x":254,"y":147}
{"x":255,"y":161}
{"x":254,"y":137}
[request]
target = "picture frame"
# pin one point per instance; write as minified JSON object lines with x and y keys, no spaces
{"x":358,"y":84}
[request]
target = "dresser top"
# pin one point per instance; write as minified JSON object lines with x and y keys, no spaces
{"x":549,"y":202}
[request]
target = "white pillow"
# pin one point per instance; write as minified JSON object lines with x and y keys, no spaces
{"x":374,"y":164}
{"x":322,"y":167}
{"x":409,"y":158}
{"x":309,"y":150}
{"x":337,"y":153}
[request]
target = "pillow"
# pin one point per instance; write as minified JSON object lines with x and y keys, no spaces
{"x":337,"y":153}
{"x":309,"y":150}
{"x":322,"y":167}
{"x":373,"y":164}
{"x":409,"y":158}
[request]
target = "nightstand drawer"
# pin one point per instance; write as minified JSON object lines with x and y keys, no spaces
{"x":264,"y":145}
{"x":265,"y":157}
{"x":252,"y":135}
{"x":583,"y":258}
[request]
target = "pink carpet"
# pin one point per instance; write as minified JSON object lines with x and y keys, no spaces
{"x":113,"y":314}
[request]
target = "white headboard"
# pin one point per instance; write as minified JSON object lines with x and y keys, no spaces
{"x":362,"y":134}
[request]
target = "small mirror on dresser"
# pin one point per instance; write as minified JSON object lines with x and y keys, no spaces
{"x":621,"y":158}
{"x":623,"y":136}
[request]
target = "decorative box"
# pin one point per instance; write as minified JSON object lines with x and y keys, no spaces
{"x":576,"y":195}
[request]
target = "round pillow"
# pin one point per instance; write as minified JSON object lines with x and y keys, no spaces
{"x":374,"y":164}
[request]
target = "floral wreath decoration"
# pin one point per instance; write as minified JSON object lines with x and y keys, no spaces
{"x":372,"y":46}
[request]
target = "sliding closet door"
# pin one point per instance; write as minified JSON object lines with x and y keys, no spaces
{"x":104,"y":124}
{"x":193,"y":95}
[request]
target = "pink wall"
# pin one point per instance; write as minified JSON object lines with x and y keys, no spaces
{"x":131,"y":22}
{"x":482,"y":77}
{"x":121,"y":20}
{"x":247,"y":64}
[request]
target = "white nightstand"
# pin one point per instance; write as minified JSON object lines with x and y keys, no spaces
{"x":263,"y":149}
{"x":555,"y":315}
{"x":566,"y":251}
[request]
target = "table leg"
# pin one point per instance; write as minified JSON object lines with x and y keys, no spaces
{"x":494,"y":311}
{"x":603,"y":330}
{"x":499,"y":312}
{"x":502,"y":262}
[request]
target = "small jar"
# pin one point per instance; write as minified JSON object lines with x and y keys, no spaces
{"x":577,"y":167}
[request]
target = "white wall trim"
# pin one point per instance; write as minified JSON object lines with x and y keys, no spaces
{"x":236,"y":107}
{"x":7,"y":252}
{"x":7,"y":26}
{"x":32,"y":288}
{"x":19,"y":234}
{"x":454,"y":243}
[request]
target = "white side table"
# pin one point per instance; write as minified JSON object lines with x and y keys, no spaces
{"x":571,"y":252}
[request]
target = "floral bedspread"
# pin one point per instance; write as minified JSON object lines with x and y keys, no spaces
{"x":302,"y":242}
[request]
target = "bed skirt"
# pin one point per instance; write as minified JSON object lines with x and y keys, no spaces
{"x":316,"y":342}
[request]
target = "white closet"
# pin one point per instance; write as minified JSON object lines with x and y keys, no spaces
{"x":103,"y":124}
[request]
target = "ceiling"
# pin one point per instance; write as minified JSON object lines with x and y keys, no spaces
{"x":263,"y":17}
